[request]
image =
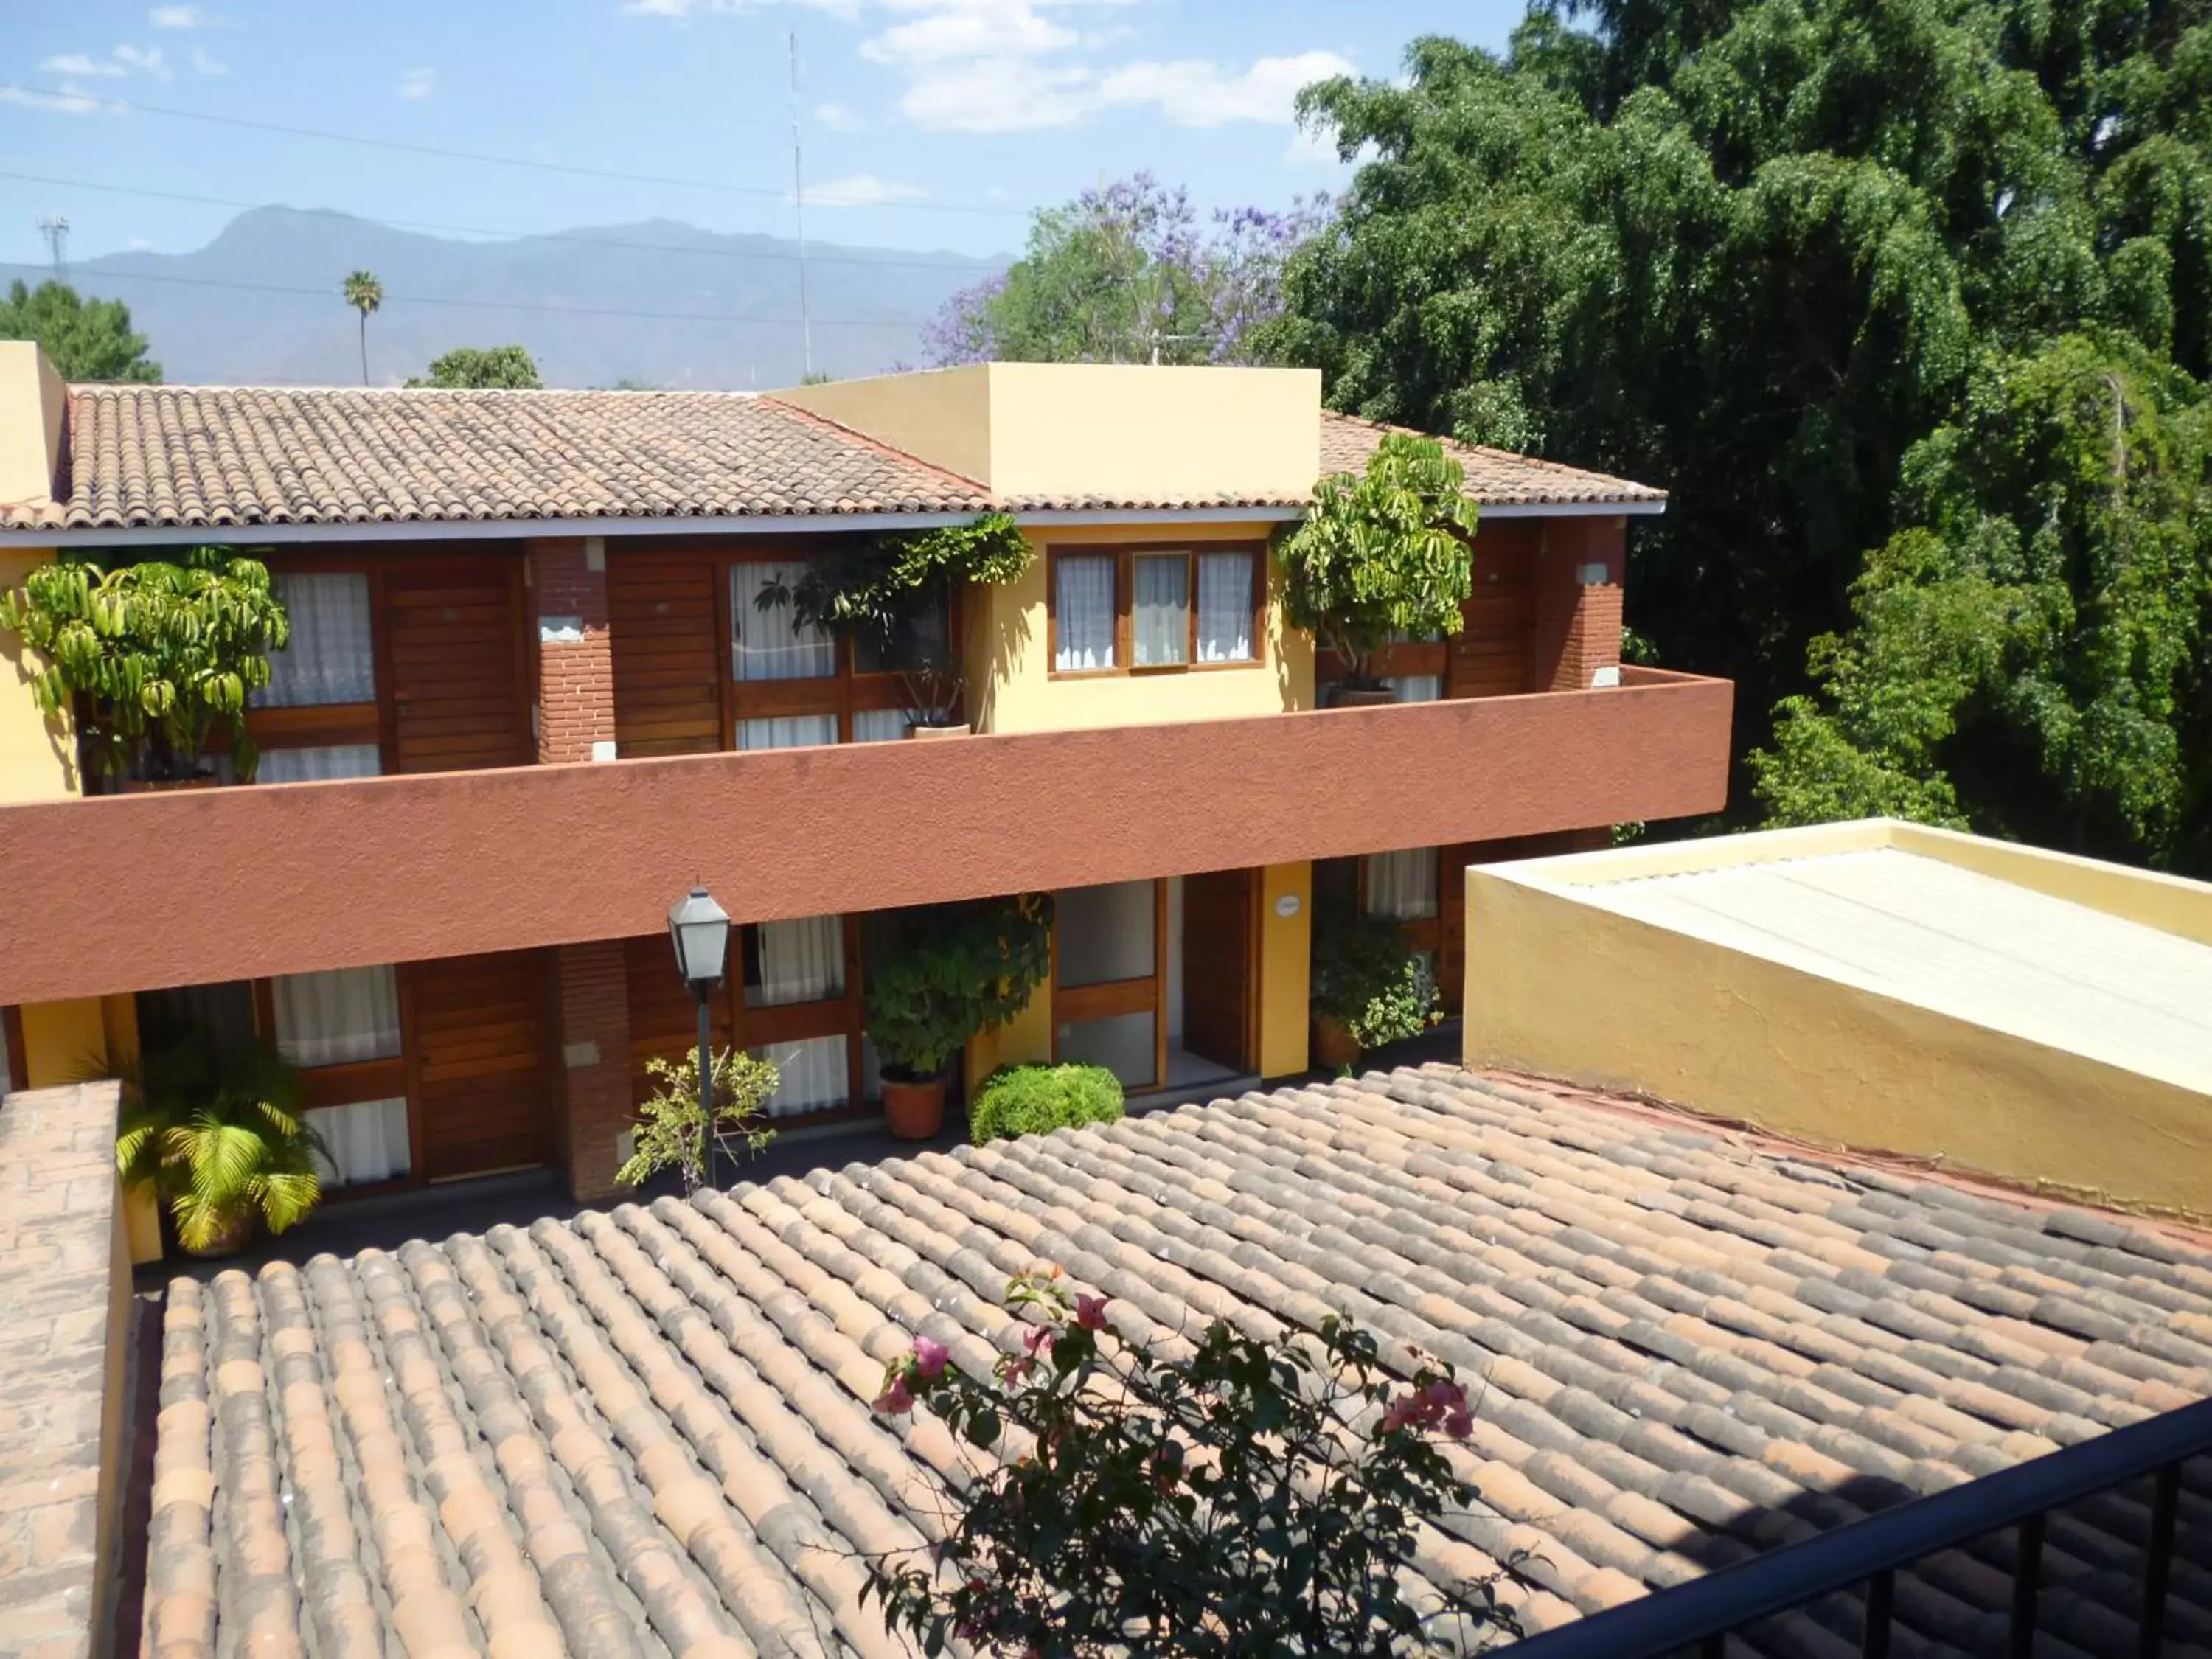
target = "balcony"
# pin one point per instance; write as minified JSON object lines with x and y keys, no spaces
{"x":133,"y":892}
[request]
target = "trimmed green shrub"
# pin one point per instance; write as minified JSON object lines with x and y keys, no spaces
{"x":1034,"y":1100}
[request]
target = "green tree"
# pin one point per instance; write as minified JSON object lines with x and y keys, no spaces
{"x":1759,"y":252}
{"x":87,"y":339}
{"x":484,"y":368}
{"x":364,"y":294}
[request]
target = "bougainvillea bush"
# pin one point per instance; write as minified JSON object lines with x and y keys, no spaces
{"x":1225,"y":1495}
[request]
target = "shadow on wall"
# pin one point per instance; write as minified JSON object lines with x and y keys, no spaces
{"x":1008,"y":628}
{"x":38,"y":756}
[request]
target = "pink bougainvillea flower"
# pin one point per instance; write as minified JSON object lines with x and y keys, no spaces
{"x":896,"y":1400}
{"x":1090,"y":1312}
{"x":929,"y":1357}
{"x":1459,"y":1424}
{"x":1037,"y":1339}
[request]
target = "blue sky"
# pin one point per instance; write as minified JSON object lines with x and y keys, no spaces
{"x":912,"y":108}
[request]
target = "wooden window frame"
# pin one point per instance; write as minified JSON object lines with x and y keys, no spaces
{"x":1125,"y":555}
{"x":1106,"y":999}
{"x":351,"y":1082}
{"x":844,"y":1016}
{"x":845,"y":693}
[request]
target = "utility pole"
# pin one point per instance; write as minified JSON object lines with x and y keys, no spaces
{"x":56,"y":229}
{"x":799,"y":216}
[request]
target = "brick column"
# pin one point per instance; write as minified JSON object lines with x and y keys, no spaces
{"x":1578,"y":571}
{"x":576,"y":656}
{"x":594,"y":995}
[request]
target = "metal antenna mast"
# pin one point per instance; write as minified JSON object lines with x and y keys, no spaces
{"x":799,"y":216}
{"x":56,"y":229}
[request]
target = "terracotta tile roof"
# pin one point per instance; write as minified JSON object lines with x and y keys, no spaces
{"x":216,"y":456}
{"x":647,"y":1429}
{"x":1495,"y":477}
{"x":224,"y":457}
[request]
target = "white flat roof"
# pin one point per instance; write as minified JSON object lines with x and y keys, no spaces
{"x":1958,"y":942}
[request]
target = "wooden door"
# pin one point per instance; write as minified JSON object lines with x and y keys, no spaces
{"x":664,"y":611}
{"x":1219,"y":965}
{"x":460,"y":677}
{"x":1489,"y":656}
{"x":664,"y":1019}
{"x":482,"y":1041}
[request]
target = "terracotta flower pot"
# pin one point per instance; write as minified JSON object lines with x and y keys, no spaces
{"x":913,"y":1109}
{"x":1334,"y":1046}
{"x":237,"y":1233}
{"x":957,"y":731}
{"x":164,"y":785}
{"x":1361,"y":696}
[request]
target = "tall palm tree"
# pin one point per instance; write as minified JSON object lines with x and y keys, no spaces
{"x":364,"y":294}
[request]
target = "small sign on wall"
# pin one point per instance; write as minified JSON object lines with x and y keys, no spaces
{"x":1287,"y":906}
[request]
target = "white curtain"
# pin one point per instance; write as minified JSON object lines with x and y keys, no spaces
{"x":1160,"y":619}
{"x":1224,"y":607}
{"x":334,"y":1018}
{"x":363,"y":1142}
{"x":1417,"y":688}
{"x":796,"y":732}
{"x":801,"y":961}
{"x":1083,"y":611}
{"x":331,"y":658}
{"x":768,"y":645}
{"x":816,"y":1076}
{"x":878,"y":725}
{"x":333,"y":759}
{"x":1403,"y":885}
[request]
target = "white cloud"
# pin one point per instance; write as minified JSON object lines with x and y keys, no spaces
{"x":178,"y":17}
{"x":1013,"y":29}
{"x":1195,"y":94}
{"x":68,"y":100}
{"x":862,"y":190}
{"x":146,"y":60}
{"x":206,"y":63}
{"x":78,"y":63}
{"x":837,"y":118}
{"x":416,"y":84}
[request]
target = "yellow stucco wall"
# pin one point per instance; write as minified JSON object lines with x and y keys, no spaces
{"x":37,"y":756}
{"x":1025,"y":1040}
{"x":1008,"y":656}
{"x":1126,"y":431}
{"x":33,"y":403}
{"x":1565,"y":989}
{"x":62,"y":1042}
{"x":1285,"y":965}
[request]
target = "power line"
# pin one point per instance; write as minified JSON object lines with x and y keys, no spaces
{"x":481,"y":305}
{"x":812,"y":257}
{"x":526,"y":162}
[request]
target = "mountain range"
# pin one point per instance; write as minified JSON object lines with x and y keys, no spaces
{"x":655,"y":303}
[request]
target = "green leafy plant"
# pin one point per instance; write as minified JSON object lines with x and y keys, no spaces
{"x":86,"y":340}
{"x":939,"y":975}
{"x":219,"y":1136}
{"x":875,"y":590}
{"x":672,"y":1131}
{"x":1383,"y":553}
{"x":1234,"y":1496}
{"x":1365,"y":974}
{"x":474,"y":368}
{"x":1034,"y":1100}
{"x":151,"y":655}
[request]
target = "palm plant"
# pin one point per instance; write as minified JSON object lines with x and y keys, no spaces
{"x":220,"y":1138}
{"x":364,"y":294}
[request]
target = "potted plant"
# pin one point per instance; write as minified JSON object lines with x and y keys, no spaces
{"x":941,"y":975}
{"x":1382,"y":556}
{"x":220,"y":1138}
{"x":150,"y":657}
{"x":874,"y":591}
{"x":1369,"y":988}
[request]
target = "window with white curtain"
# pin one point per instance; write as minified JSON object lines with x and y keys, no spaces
{"x":799,"y":961}
{"x":311,"y":765}
{"x":1159,"y":615}
{"x":1224,"y":607}
{"x":768,"y":644}
{"x":336,"y":1018}
{"x":792,"y":732}
{"x":1416,"y":688}
{"x":332,"y":655}
{"x":1083,"y":611}
{"x":816,"y":1076}
{"x":362,"y":1143}
{"x":1402,"y":886}
{"x":879,"y":725}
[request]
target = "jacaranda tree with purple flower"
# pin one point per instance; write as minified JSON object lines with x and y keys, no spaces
{"x":1229,"y":1495}
{"x":1128,"y":273}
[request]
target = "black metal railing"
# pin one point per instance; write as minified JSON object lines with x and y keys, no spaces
{"x":1697,"y":1618}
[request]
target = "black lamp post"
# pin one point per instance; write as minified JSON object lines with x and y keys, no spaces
{"x":700,"y":930}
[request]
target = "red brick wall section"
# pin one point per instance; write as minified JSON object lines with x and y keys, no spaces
{"x":575,"y":658}
{"x":594,"y":997}
{"x":1577,"y":627}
